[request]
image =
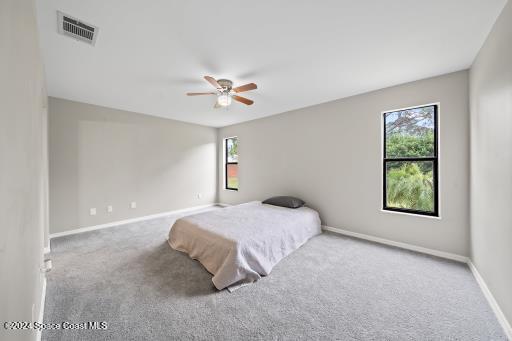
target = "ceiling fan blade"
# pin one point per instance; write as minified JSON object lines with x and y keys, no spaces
{"x":242,"y":100}
{"x":213,"y":82}
{"x":200,"y":93}
{"x":246,"y":87}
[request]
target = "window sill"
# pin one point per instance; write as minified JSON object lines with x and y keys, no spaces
{"x":231,"y":189}
{"x":412,"y":214}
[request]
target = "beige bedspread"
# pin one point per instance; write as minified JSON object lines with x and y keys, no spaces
{"x":239,"y":244}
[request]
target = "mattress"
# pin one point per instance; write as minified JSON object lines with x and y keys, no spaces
{"x":239,"y":244}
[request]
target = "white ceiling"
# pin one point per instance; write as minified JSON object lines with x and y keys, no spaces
{"x":300,"y":53}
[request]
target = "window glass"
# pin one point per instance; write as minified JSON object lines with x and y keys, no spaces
{"x":410,"y":185}
{"x":410,"y":133}
{"x":232,"y":176}
{"x":232,"y":146}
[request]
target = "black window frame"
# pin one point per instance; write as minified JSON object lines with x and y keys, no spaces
{"x":226,"y":163}
{"x":434,"y":159}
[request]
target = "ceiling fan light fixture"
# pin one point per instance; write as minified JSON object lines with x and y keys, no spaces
{"x":224,"y":99}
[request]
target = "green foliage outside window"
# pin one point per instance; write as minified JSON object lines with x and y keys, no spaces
{"x":411,"y":186}
{"x":410,"y":145}
{"x":232,"y":145}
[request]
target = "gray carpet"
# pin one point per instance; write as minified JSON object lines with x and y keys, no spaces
{"x":332,"y":288}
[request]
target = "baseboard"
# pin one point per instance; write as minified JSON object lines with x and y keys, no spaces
{"x":40,"y":318}
{"x":492,"y":301}
{"x":406,"y":246}
{"x":128,"y":221}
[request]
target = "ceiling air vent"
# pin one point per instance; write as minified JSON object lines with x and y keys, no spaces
{"x":77,"y":29}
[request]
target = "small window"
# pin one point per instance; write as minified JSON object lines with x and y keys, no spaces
{"x":231,"y":163}
{"x":410,"y":166}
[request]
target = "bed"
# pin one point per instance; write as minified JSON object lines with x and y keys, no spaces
{"x":239,"y":244}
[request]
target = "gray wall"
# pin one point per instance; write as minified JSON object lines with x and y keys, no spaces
{"x":330,"y":155}
{"x":491,"y":161}
{"x":101,"y":156}
{"x":22,"y":167}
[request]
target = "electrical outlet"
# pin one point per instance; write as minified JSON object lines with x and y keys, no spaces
{"x":110,"y":208}
{"x":92,"y":211}
{"x":133,"y":204}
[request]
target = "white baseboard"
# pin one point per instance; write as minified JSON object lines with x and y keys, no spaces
{"x":127,"y":221}
{"x":40,"y":318}
{"x":406,"y":246}
{"x":492,"y":301}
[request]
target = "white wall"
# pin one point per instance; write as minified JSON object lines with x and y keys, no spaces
{"x":330,"y":155}
{"x":101,"y":156}
{"x":22,"y":167}
{"x":491,"y":161}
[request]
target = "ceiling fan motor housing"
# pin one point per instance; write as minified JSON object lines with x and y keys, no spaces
{"x":226,"y":84}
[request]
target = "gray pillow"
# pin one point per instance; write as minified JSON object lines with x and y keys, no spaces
{"x":285,"y":201}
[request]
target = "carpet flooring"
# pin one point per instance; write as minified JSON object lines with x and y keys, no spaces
{"x":332,"y":288}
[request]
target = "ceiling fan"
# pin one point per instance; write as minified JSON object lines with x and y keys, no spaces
{"x":225,"y":92}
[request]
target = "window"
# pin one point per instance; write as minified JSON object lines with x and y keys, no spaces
{"x":231,"y":163}
{"x":410,"y":166}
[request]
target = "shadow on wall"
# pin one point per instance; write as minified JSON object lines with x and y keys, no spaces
{"x":102,"y":157}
